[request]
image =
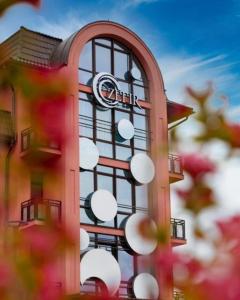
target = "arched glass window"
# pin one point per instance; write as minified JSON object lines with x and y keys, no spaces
{"x":107,"y":55}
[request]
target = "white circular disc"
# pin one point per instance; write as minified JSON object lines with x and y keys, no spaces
{"x":125,"y":129}
{"x":101,"y":264}
{"x":84,"y":239}
{"x":136,"y":74}
{"x":136,"y":241}
{"x":142,"y":168}
{"x":89,"y":154}
{"x":103,"y":205}
{"x":145,"y":286}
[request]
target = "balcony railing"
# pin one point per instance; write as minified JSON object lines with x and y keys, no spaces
{"x":178,"y":229}
{"x":175,"y":164}
{"x":178,"y":296}
{"x":43,"y":209}
{"x":30,"y":139}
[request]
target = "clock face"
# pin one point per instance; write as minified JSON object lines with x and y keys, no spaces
{"x":135,"y":73}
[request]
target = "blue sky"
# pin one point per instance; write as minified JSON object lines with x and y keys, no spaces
{"x":193,"y":41}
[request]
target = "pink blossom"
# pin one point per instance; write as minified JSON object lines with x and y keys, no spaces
{"x":196,"y":165}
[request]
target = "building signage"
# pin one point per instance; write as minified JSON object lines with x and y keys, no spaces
{"x":107,"y":92}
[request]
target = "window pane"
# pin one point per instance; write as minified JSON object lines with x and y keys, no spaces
{"x":104,"y":169}
{"x":136,"y":65}
{"x":140,"y":92}
{"x":104,"y":115}
{"x":86,"y":57}
{"x":104,"y":125}
{"x":85,"y":77}
{"x":105,"y":183}
{"x":85,"y":119}
{"x":121,"y":62}
{"x":85,"y":108}
{"x":125,"y":261}
{"x":124,"y":195}
{"x":140,"y":122}
{"x":123,"y":153}
{"x":84,"y":216}
{"x":138,"y":110}
{"x":107,"y":224}
{"x":86,"y":127}
{"x":124,"y":87}
{"x":85,"y":96}
{"x":86,"y":184}
{"x":140,"y":140}
{"x":105,"y":149}
{"x":119,"y":115}
{"x":141,"y":193}
{"x":103,"y":59}
{"x":120,"y":172}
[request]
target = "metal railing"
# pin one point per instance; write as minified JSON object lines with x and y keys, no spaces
{"x":178,"y":229}
{"x":30,"y":139}
{"x":178,"y":296}
{"x":41,"y":209}
{"x":175,"y":164}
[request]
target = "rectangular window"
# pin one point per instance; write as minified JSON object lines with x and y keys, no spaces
{"x":124,"y":195}
{"x":123,"y":153}
{"x":104,"y":125}
{"x":86,"y":184}
{"x":85,"y":77}
{"x":105,"y":149}
{"x":121,"y":64}
{"x":126,"y":262}
{"x":105,"y":182}
{"x":140,"y":92}
{"x":103,"y":59}
{"x":86,"y":216}
{"x":86,"y":57}
{"x":141,"y":194}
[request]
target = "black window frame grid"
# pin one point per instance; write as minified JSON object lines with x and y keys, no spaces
{"x":132,"y":208}
{"x":132,"y":60}
{"x":140,"y":134}
{"x":113,"y":243}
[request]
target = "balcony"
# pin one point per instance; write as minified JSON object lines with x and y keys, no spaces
{"x":178,"y":296}
{"x":178,"y":234}
{"x":175,"y":168}
{"x":36,"y":149}
{"x":40,"y":210}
